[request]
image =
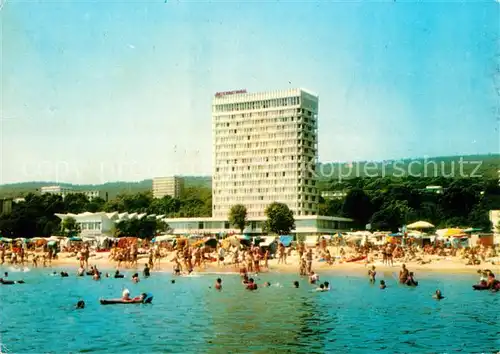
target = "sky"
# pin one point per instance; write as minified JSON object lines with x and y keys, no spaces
{"x":121,"y":90}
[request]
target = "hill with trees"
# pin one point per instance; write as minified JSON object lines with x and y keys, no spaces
{"x":385,"y":202}
{"x":113,"y":189}
{"x":472,"y":166}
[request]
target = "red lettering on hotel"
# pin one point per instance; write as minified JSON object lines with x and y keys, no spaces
{"x":226,"y":93}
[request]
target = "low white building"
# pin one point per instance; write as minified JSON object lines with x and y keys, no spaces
{"x":56,"y":190}
{"x":304,"y":225}
{"x":92,"y":194}
{"x":100,"y":223}
{"x":64,"y":191}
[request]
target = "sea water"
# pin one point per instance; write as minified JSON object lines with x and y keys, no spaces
{"x":190,"y":317}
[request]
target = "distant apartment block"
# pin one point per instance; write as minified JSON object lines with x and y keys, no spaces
{"x":5,"y":206}
{"x":64,"y":191}
{"x":333,"y":194}
{"x":94,"y":194}
{"x":56,"y":190}
{"x":265,"y":151}
{"x":434,"y":189}
{"x":172,"y":186}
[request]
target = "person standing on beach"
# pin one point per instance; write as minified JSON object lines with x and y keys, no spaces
{"x":281,"y":253}
{"x":309,"y":258}
{"x":403,"y":274}
{"x":372,"y":273}
{"x":266,"y":259}
{"x":86,"y":255}
{"x":388,"y":252}
{"x":146,"y":272}
{"x":221,"y":256}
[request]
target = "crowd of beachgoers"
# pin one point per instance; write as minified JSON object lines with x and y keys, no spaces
{"x":185,"y":258}
{"x":230,"y":256}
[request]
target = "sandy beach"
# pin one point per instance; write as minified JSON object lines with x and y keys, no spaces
{"x":438,"y":264}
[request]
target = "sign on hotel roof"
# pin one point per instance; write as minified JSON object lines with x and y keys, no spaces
{"x":227,"y":93}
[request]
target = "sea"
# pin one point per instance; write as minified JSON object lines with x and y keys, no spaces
{"x":190,"y":316}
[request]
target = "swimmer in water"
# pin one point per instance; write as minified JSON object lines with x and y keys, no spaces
{"x":382,"y":285}
{"x":313,"y":278}
{"x":80,"y":304}
{"x":437,"y":295}
{"x":321,"y":287}
{"x":10,"y":282}
{"x":218,"y":284}
{"x":135,"y":278}
{"x":266,"y":284}
{"x":296,"y":284}
{"x":251,"y":285}
{"x":146,"y":272}
{"x":327,"y":286}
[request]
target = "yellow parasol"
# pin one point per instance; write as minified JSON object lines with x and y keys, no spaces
{"x":420,"y":225}
{"x":449,"y":232}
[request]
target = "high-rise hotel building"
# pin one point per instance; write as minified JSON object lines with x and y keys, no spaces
{"x":265,"y":150}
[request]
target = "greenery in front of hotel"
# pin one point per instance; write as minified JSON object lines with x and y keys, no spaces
{"x":385,"y":203}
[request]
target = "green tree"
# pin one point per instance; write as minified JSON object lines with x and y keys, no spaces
{"x":238,"y":217}
{"x":162,"y":226}
{"x":358,"y":206}
{"x":279,"y":219}
{"x":391,"y":216}
{"x":95,"y":205}
{"x":330,"y":207}
{"x":70,"y":225}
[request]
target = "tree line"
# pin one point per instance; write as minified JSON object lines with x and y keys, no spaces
{"x":385,"y":203}
{"x":388,"y":203}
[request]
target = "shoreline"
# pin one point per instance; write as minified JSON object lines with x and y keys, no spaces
{"x":446,"y":266}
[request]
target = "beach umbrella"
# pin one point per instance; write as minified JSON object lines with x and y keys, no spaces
{"x":449,"y":232}
{"x":286,"y":240}
{"x":420,"y":225}
{"x":472,"y":229}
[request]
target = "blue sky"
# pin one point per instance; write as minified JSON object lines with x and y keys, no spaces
{"x":95,"y":92}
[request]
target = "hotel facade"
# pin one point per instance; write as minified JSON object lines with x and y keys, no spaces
{"x":265,"y":149}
